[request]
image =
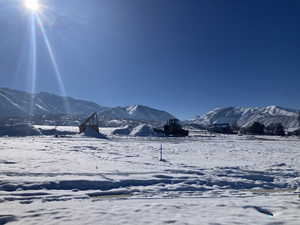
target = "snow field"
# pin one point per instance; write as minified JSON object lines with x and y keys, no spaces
{"x":204,"y":180}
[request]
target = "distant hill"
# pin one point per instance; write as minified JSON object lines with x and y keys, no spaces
{"x":136,"y":112}
{"x":246,"y":116}
{"x":18,"y":103}
{"x":14,"y":103}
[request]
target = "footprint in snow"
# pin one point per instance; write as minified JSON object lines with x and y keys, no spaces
{"x":260,"y":210}
{"x":6,"y":219}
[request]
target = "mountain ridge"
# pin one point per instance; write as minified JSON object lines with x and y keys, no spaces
{"x":136,"y":112}
{"x":245,"y":116}
{"x":15,"y":103}
{"x":21,"y":104}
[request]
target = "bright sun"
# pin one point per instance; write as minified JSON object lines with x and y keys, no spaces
{"x":32,"y":5}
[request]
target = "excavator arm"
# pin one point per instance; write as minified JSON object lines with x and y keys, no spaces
{"x":84,"y":124}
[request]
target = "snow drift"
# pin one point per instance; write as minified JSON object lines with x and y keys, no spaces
{"x":122,"y":131}
{"x":19,"y":130}
{"x":143,"y":130}
{"x":50,"y":132}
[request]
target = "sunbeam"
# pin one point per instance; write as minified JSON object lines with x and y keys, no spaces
{"x":33,"y":62}
{"x":54,"y":63}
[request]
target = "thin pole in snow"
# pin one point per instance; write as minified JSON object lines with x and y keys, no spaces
{"x":161,"y":153}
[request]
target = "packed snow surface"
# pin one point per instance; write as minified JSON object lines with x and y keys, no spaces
{"x":202,"y":180}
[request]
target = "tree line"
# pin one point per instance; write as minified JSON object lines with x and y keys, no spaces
{"x":255,"y":128}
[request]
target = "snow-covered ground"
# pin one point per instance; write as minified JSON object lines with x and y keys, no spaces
{"x":202,"y":180}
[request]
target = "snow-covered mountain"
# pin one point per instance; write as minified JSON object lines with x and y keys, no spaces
{"x":136,"y":112}
{"x":289,"y":118}
{"x":20,"y":103}
{"x":15,"y":103}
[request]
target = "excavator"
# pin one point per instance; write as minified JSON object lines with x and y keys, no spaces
{"x":91,"y":122}
{"x":172,"y":128}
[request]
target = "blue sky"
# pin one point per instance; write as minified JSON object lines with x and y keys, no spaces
{"x":183,"y":56}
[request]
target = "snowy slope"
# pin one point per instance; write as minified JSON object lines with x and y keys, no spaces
{"x":18,"y":103}
{"x":246,"y":116}
{"x":136,"y":112}
{"x":57,"y":104}
{"x":13,"y":103}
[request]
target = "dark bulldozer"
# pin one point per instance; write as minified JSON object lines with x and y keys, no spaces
{"x":172,"y":128}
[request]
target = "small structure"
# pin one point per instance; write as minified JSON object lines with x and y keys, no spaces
{"x":91,"y":123}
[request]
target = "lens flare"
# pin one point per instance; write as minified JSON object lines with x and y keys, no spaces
{"x":32,"y":5}
{"x":36,"y":22}
{"x":33,"y":63}
{"x":55,"y":65}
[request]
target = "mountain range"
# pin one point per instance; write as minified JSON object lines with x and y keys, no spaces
{"x":15,"y":103}
{"x":135,"y":112}
{"x":243,"y":117}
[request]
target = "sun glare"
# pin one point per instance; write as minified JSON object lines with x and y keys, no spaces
{"x":32,"y":5}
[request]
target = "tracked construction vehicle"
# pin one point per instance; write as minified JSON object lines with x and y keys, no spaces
{"x":172,"y":128}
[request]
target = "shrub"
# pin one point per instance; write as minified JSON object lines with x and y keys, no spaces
{"x":275,"y":129}
{"x":256,"y":128}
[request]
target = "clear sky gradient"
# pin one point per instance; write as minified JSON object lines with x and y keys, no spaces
{"x":183,"y":56}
